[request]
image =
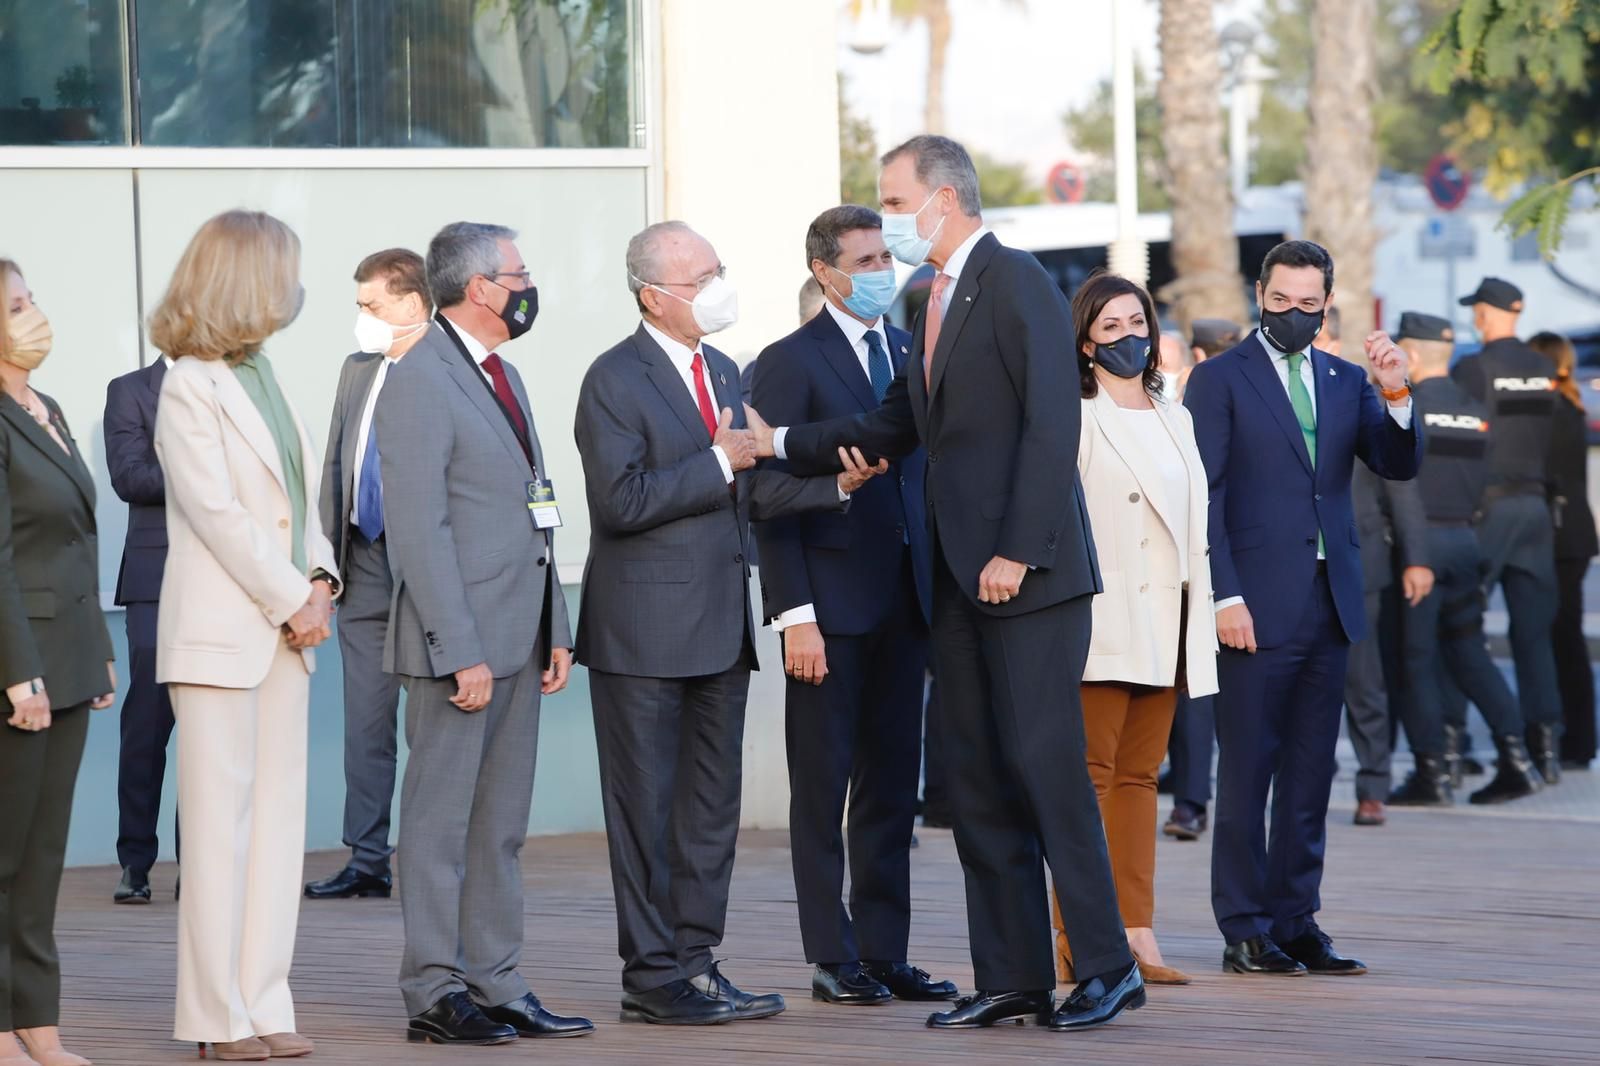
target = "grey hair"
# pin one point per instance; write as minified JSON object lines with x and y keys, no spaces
{"x":822,"y":239}
{"x":811,"y":299}
{"x":642,"y":264}
{"x":939,"y":162}
{"x":460,"y":252}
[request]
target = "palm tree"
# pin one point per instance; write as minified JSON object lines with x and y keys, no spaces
{"x":1342,"y":154}
{"x":1205,"y":251}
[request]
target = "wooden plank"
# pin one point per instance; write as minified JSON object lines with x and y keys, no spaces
{"x":1480,"y":932}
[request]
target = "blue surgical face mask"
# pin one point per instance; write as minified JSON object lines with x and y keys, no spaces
{"x":905,"y":242}
{"x":871,"y":292}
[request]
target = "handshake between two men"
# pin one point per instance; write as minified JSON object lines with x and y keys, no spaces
{"x":744,"y":447}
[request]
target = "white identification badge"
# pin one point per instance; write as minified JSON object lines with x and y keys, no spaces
{"x":542,"y":506}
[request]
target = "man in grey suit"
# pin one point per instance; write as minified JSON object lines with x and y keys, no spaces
{"x":665,"y":627}
{"x":394,"y":309}
{"x":477,"y":633}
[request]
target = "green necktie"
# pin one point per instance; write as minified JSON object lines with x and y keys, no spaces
{"x":1300,"y":399}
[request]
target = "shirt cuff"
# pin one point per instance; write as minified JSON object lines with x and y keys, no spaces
{"x":779,"y":435}
{"x":722,"y":461}
{"x":795,"y":616}
{"x":1401,"y":415}
{"x":1231,"y":601}
{"x":844,"y":497}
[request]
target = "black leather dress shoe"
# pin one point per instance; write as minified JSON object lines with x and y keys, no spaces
{"x":746,"y":1007}
{"x":675,"y":1003}
{"x":910,"y":983}
{"x":1313,"y":949}
{"x":455,"y":1019}
{"x":133,"y":888}
{"x":529,"y":1018}
{"x":1260,"y":956}
{"x":1099,"y":999}
{"x":349,"y":883}
{"x":983,"y":1009}
{"x":849,"y":985}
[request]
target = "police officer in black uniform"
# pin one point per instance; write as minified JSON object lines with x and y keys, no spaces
{"x":1517,"y":532}
{"x":1443,"y":633}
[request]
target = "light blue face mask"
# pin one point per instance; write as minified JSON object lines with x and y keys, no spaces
{"x":871,"y":292}
{"x":905,"y":243}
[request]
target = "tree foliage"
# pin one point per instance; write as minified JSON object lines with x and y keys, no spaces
{"x":1092,"y":131}
{"x":1524,"y":76}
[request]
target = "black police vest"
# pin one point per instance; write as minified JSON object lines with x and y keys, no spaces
{"x":1456,"y":442}
{"x":1520,"y":390}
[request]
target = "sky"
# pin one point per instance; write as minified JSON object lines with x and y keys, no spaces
{"x":1013,"y":69}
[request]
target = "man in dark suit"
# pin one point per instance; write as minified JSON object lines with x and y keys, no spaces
{"x":665,"y":627}
{"x":1280,"y":425}
{"x":393,"y":311}
{"x":130,"y":423}
{"x":991,"y":391}
{"x":851,"y":595}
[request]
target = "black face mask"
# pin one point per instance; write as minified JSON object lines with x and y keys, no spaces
{"x":522,"y":307}
{"x":1292,"y":330}
{"x":1126,"y":357}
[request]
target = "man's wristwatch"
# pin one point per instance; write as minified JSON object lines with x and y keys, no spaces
{"x":333,"y":582}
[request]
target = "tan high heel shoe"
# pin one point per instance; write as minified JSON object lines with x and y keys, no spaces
{"x":247,"y":1050}
{"x":56,"y":1056}
{"x":288,"y":1045}
{"x":1160,"y":975}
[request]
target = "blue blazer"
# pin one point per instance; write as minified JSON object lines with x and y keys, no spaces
{"x":845,"y":563}
{"x":1267,"y":503}
{"x":130,"y":428}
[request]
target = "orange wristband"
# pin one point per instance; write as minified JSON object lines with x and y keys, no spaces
{"x":1396,"y":395}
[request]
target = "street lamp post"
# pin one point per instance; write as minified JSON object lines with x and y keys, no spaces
{"x":1128,"y":254}
{"x":1246,"y":75}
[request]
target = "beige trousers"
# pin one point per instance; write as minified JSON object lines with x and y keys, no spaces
{"x":242,"y":805}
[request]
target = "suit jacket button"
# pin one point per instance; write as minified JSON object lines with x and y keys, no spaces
{"x":83,"y":599}
{"x":541,"y":561}
{"x":739,"y":558}
{"x":283,"y":523}
{"x":1144,"y":588}
{"x":1311,"y":542}
{"x":1145,"y":543}
{"x":933,"y":457}
{"x":1133,"y":497}
{"x":902,"y":481}
{"x":900,"y":531}
{"x":1318,"y":497}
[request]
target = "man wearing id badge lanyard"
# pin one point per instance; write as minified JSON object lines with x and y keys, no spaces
{"x":665,"y":627}
{"x":478,"y":632}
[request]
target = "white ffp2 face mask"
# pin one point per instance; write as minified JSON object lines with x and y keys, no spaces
{"x":376,"y":336}
{"x":716,"y":307}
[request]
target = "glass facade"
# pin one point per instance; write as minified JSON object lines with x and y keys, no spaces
{"x":321,"y":73}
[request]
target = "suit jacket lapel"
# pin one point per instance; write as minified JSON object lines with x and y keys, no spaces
{"x":1263,"y":376}
{"x":463,"y":371}
{"x":961,"y":300}
{"x":1137,"y":457}
{"x":840,"y":355}
{"x":355,"y":402}
{"x":71,"y":463}
{"x":521,"y":391}
{"x":1321,"y":369}
{"x":664,"y":376}
{"x":241,"y":411}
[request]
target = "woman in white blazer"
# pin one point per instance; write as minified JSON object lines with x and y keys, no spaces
{"x":246,"y":595}
{"x":1153,"y":631}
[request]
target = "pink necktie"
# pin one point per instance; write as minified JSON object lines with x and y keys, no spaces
{"x":930,"y":333}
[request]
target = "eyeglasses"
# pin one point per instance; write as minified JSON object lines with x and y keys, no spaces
{"x":527,"y":279}
{"x":700,"y":283}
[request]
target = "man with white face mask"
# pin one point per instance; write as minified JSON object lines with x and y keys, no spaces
{"x":392,"y":315}
{"x":665,"y":627}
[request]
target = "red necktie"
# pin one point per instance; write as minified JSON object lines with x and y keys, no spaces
{"x":502,"y":389}
{"x":708,"y":411}
{"x":930,"y":332}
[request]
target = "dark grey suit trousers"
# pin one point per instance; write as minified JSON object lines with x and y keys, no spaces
{"x":371,"y":702}
{"x":671,"y":753}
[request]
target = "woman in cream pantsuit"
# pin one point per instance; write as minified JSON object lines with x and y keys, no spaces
{"x":1146,"y":490}
{"x":246,"y":595}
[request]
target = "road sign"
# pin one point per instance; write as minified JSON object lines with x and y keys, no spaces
{"x":1447,"y":237}
{"x":1447,"y":183}
{"x":1065,"y":184}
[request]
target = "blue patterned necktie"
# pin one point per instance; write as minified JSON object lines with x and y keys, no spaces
{"x":878,"y":365}
{"x":369,"y":493}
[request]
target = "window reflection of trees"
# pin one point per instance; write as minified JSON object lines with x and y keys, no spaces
{"x":406,"y":73}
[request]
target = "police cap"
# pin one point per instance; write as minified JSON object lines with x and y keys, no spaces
{"x":1496,"y":292}
{"x":1418,"y":326}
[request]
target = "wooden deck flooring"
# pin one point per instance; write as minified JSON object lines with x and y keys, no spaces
{"x":1482,"y":932}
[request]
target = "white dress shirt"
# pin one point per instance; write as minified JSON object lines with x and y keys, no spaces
{"x":855,"y":331}
{"x":474,"y":347}
{"x":1280,"y":363}
{"x":682,"y":358}
{"x":362,"y":433}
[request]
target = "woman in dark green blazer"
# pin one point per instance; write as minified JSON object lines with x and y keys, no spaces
{"x":55,"y":665}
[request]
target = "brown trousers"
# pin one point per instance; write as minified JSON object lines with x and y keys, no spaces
{"x":1125,"y":728}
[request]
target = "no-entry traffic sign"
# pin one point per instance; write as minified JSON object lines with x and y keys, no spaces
{"x":1447,"y":183}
